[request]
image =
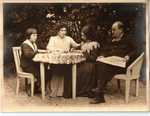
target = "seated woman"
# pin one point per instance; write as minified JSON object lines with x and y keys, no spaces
{"x":29,"y":50}
{"x":60,"y":43}
{"x":86,"y":70}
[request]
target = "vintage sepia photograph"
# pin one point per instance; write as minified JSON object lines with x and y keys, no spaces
{"x":62,"y":57}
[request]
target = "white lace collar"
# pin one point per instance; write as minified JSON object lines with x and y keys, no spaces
{"x":28,"y":42}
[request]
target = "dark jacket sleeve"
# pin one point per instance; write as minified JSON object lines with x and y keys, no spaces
{"x":122,"y":48}
{"x":133,"y":49}
{"x":27,"y":51}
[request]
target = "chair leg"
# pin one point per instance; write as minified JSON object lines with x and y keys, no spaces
{"x":32,"y":87}
{"x":26,"y":84}
{"x":137,"y":87}
{"x":127,"y":90}
{"x":118,"y":84}
{"x":17,"y":87}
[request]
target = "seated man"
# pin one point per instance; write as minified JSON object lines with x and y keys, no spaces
{"x":121,"y":46}
{"x":29,"y":50}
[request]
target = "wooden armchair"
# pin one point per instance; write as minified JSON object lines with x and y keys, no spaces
{"x":133,"y":73}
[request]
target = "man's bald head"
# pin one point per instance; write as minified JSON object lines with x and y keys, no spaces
{"x":119,"y":24}
{"x":117,"y":29}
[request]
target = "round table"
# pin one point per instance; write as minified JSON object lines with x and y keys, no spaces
{"x":73,"y":58}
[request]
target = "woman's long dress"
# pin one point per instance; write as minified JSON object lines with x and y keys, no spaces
{"x":59,"y":71}
{"x":86,"y":79}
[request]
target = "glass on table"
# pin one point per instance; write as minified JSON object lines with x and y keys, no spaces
{"x":42,"y":51}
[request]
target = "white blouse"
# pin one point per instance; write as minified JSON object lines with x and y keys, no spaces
{"x":57,"y":43}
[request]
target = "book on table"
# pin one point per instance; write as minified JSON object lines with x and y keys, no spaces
{"x":113,"y":60}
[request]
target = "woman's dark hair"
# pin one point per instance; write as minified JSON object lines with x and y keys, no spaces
{"x":90,"y":32}
{"x":59,"y":26}
{"x":30,"y":31}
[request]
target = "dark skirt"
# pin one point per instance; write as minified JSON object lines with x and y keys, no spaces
{"x":34,"y":68}
{"x":85,"y":78}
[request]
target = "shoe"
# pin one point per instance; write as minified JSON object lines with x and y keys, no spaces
{"x":97,"y":101}
{"x":91,"y":94}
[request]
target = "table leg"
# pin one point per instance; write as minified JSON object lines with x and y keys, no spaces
{"x":42,"y":71}
{"x":74,"y":75}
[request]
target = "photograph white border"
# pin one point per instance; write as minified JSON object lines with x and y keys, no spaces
{"x":78,"y":1}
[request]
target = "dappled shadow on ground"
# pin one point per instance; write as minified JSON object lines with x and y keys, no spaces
{"x":114,"y":100}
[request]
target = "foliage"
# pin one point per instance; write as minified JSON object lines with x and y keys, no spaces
{"x":18,"y":17}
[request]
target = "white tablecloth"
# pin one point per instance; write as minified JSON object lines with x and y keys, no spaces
{"x":60,"y":57}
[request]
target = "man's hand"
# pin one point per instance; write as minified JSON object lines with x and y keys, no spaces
{"x":127,"y":58}
{"x":101,"y":57}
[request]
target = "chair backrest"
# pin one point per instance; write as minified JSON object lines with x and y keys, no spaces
{"x":133,"y":71}
{"x":17,"y":56}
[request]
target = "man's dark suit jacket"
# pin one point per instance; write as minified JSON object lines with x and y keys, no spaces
{"x":126,"y":46}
